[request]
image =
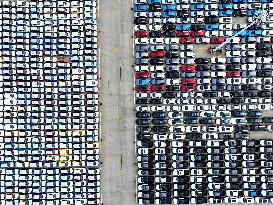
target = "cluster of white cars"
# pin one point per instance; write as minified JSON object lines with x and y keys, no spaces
{"x":49,"y":121}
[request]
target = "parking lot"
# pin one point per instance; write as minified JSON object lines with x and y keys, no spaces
{"x":49,"y":130}
{"x":203,"y":75}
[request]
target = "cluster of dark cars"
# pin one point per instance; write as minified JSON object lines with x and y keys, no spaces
{"x":195,"y":112}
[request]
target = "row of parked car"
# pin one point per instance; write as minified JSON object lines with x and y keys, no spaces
{"x":177,"y":173}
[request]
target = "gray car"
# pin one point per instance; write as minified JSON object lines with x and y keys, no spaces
{"x":233,"y":47}
{"x":142,"y":61}
{"x":217,"y":67}
{"x":247,"y":60}
{"x":248,"y":73}
{"x":139,"y":48}
{"x":171,"y":47}
{"x":203,"y":74}
{"x":172,"y":68}
{"x":172,"y":61}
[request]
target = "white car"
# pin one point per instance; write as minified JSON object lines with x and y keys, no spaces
{"x":211,"y":6}
{"x":153,"y":95}
{"x":225,"y":27}
{"x":212,"y":33}
{"x":158,"y":108}
{"x":224,"y":20}
{"x":187,"y":54}
{"x":218,"y":60}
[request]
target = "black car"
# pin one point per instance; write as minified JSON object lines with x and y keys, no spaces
{"x":146,"y":144}
{"x":263,"y":74}
{"x":155,"y":101}
{"x":168,"y":27}
{"x":141,"y":20}
{"x":159,"y":121}
{"x":156,"y":61}
{"x":197,"y":27}
{"x":142,"y":137}
{"x":237,"y":100}
{"x":160,"y":129}
{"x":248,"y":87}
{"x":237,"y":94}
{"x":153,"y":34}
{"x":191,"y":114}
{"x":172,"y":88}
{"x":232,"y":67}
{"x":207,"y":121}
{"x":143,"y":121}
{"x":202,"y":68}
{"x":263,"y":53}
{"x":169,"y":34}
{"x":143,"y":114}
{"x":252,"y":93}
{"x":172,"y":74}
{"x":223,"y":101}
{"x":154,"y":7}
{"x":171,"y":54}
{"x":264,"y":94}
{"x":143,"y":129}
{"x":169,"y":95}
{"x":201,"y":61}
{"x":262,"y":46}
{"x":254,"y":120}
{"x":142,"y":101}
{"x":211,"y":19}
{"x":235,"y":186}
{"x":160,"y":114}
{"x":182,"y":14}
{"x":241,"y":128}
{"x":238,"y":113}
{"x":218,"y":179}
{"x":210,"y":94}
{"x":193,"y":136}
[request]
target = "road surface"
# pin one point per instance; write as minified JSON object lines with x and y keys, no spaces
{"x":118,"y":172}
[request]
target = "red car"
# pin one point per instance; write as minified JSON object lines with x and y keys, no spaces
{"x":231,"y":74}
{"x":141,"y":34}
{"x":197,"y":33}
{"x":217,"y":40}
{"x":183,"y":87}
{"x":158,"y":54}
{"x":186,"y":81}
{"x":182,"y":33}
{"x":186,"y":40}
{"x":191,"y":88}
{"x":142,"y":74}
{"x":140,"y":88}
{"x":157,"y":88}
{"x":187,"y":68}
{"x":271,"y":39}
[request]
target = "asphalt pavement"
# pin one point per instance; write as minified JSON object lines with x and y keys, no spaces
{"x":118,"y":171}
